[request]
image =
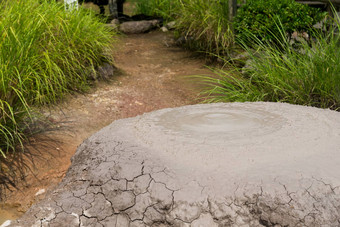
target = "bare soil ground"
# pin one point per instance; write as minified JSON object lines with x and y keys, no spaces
{"x":153,"y":75}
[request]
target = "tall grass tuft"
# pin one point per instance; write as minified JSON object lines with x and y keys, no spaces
{"x":203,"y":23}
{"x":46,"y":52}
{"x":168,"y":9}
{"x":206,"y":23}
{"x":308,"y":75}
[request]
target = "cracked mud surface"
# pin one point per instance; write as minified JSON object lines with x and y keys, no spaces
{"x":272,"y":164}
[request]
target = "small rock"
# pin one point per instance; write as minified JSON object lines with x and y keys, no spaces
{"x":138,"y":103}
{"x":40,"y":192}
{"x":249,"y":65}
{"x":299,"y":37}
{"x":6,"y":223}
{"x":135,"y":27}
{"x":114,"y":24}
{"x":305,"y":35}
{"x":319,"y":25}
{"x":171,"y":25}
{"x":184,"y":39}
{"x":106,"y":71}
{"x":164,"y":29}
{"x":294,"y":35}
{"x":239,"y":59}
{"x":241,"y":56}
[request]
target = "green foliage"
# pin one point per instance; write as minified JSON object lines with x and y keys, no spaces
{"x":45,"y":53}
{"x":260,"y":18}
{"x":204,"y":23}
{"x":166,"y":9}
{"x":308,"y":76}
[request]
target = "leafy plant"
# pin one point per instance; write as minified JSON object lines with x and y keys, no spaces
{"x":260,"y":17}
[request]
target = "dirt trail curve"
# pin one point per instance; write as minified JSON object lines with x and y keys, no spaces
{"x":153,"y":77}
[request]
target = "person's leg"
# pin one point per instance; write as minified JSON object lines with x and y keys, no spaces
{"x":113,"y":8}
{"x":120,"y":7}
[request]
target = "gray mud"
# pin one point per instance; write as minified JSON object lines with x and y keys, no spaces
{"x":236,"y":164}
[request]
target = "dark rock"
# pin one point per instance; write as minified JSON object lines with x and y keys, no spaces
{"x":135,"y":27}
{"x":168,"y":26}
{"x":298,"y":37}
{"x":183,"y":40}
{"x":106,"y":71}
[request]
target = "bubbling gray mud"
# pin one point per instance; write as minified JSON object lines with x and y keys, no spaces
{"x":235,"y":164}
{"x":211,"y":121}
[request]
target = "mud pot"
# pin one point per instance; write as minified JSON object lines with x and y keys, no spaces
{"x":152,"y":76}
{"x":224,"y":164}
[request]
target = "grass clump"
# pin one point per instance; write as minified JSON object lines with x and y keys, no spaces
{"x":308,"y":76}
{"x":46,"y":52}
{"x":204,"y":24}
{"x":167,"y":9}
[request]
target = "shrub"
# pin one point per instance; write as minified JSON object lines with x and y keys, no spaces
{"x":203,"y":23}
{"x":206,"y":24}
{"x":308,"y":76}
{"x":260,"y":18}
{"x":45,"y":53}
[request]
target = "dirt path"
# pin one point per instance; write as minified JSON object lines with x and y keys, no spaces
{"x":153,"y":77}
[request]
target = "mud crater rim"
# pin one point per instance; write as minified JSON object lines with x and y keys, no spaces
{"x":231,"y":123}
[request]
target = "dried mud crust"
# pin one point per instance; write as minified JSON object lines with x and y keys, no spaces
{"x":152,"y":76}
{"x":126,"y":175}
